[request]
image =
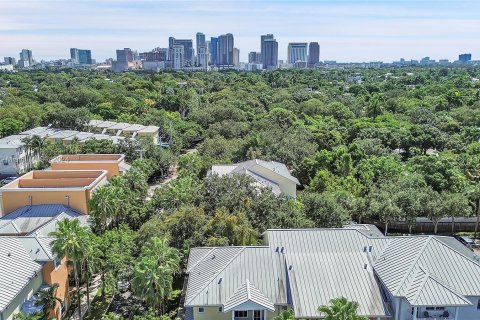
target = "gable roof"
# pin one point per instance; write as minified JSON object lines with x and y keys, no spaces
{"x":247,"y":293}
{"x":18,"y":269}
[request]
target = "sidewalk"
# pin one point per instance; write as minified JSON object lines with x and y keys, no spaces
{"x":83,"y":302}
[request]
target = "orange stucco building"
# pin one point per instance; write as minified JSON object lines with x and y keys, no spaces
{"x":114,"y":164}
{"x":72,"y":188}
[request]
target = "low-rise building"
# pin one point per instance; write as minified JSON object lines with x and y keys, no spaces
{"x":71,"y":188}
{"x":14,"y":157}
{"x":28,"y":265}
{"x":398,"y":278}
{"x":125,"y":129}
{"x":114,"y":164}
{"x":267,"y":174}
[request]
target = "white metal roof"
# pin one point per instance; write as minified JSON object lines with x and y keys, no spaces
{"x":17,"y":267}
{"x":149,"y":129}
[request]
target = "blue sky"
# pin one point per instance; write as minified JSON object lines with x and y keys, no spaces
{"x":347,"y":30}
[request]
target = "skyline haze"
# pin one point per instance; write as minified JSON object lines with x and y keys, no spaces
{"x":346,"y":30}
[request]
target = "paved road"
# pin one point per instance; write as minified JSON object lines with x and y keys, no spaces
{"x":83,"y":302}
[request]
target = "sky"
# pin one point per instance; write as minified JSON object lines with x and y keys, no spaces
{"x":347,"y":30}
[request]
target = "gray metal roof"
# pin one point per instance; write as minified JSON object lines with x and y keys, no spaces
{"x":17,"y":267}
{"x":215,"y":276}
{"x":248,"y":294}
{"x":28,"y":219}
{"x":328,"y":263}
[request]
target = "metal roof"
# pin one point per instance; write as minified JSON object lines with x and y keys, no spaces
{"x":328,"y":263}
{"x":119,"y":126}
{"x":28,"y":219}
{"x":149,"y":129}
{"x":215,"y":275}
{"x":17,"y":267}
{"x":247,"y":293}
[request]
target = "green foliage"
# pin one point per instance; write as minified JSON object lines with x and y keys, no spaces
{"x":341,"y":309}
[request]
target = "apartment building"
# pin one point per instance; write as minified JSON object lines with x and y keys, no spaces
{"x":114,"y":164}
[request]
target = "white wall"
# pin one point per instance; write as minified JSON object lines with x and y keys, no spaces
{"x":24,"y":295}
{"x":288,"y":187}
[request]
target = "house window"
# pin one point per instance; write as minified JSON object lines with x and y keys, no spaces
{"x":478,"y":304}
{"x":57,"y":262}
{"x":220,"y":309}
{"x":430,"y":308}
{"x":201,"y":310}
{"x":241,"y":314}
{"x":440,"y":308}
{"x":257,"y":315}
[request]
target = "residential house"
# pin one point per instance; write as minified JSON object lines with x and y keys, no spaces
{"x":125,"y":129}
{"x":267,"y":174}
{"x":398,"y":278}
{"x":72,"y":188}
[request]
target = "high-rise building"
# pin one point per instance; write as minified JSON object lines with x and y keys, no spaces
{"x":9,"y":60}
{"x":203,"y":56}
{"x":465,"y":57}
{"x":313,"y":54}
{"x":264,"y":38}
{"x":81,"y":56}
{"x":26,"y":58}
{"x":157,"y":54}
{"x":225,"y":50}
{"x":200,"y":42}
{"x":178,"y":56}
{"x":125,"y":55}
{"x":188,"y":51}
{"x":297,"y":52}
{"x":213,"y":51}
{"x":254,"y":57}
{"x":270,"y":54}
{"x":236,"y":57}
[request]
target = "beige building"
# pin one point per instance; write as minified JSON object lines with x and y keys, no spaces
{"x":120,"y":129}
{"x":114,"y":164}
{"x":71,"y":188}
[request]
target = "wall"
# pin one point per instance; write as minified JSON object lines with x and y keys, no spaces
{"x":24,"y":295}
{"x":60,"y":276}
{"x":111,"y":167}
{"x":213,"y":313}
{"x":15,"y":199}
{"x":470,"y":313}
{"x":288,"y":187}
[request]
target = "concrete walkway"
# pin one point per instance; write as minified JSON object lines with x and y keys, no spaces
{"x":83,"y":302}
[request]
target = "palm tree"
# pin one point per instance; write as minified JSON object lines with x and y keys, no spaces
{"x":341,"y":309}
{"x":30,"y":316}
{"x":154,"y":272}
{"x":103,"y":206}
{"x":48,"y":300}
{"x":70,"y":240}
{"x":285,"y":315}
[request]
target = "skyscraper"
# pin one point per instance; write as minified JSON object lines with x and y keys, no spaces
{"x":264,"y":38}
{"x":297,"y":52}
{"x":9,"y":60}
{"x":200,"y":42}
{"x":465,"y":57}
{"x":188,"y":51}
{"x":26,"y":58}
{"x":236,"y":57}
{"x":203,"y":56}
{"x":81,"y":56}
{"x":225,"y":50}
{"x":254,"y":57}
{"x":178,"y":56}
{"x":313,"y":54}
{"x":213,"y":51}
{"x":270,"y":54}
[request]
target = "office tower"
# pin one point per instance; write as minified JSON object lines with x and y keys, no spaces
{"x":313,"y":54}
{"x":465,"y":57}
{"x":200,"y":42}
{"x":9,"y":60}
{"x":178,"y":55}
{"x":225,"y":50}
{"x":203,"y":56}
{"x":297,"y":52}
{"x":254,"y":57}
{"x":213,"y":51}
{"x":188,"y":51}
{"x":236,"y":57}
{"x":270,"y":53}
{"x":264,"y":38}
{"x":81,"y":56}
{"x":157,"y":54}
{"x":26,"y":58}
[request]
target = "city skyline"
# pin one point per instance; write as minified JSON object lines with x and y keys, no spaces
{"x":346,"y":30}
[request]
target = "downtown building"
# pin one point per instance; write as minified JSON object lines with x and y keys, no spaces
{"x":225,"y":51}
{"x":26,"y":58}
{"x":313,"y":54}
{"x":297,"y":54}
{"x":188,"y":56}
{"x":269,"y":51}
{"x":81,"y":56}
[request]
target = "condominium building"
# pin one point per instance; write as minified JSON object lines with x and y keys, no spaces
{"x":225,"y":50}
{"x":297,"y":52}
{"x":270,"y":53}
{"x":114,"y":164}
{"x":71,"y":188}
{"x":313,"y":54}
{"x":81,"y":56}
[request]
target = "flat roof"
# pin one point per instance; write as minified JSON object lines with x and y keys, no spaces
{"x":56,"y":179}
{"x":89,"y":157}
